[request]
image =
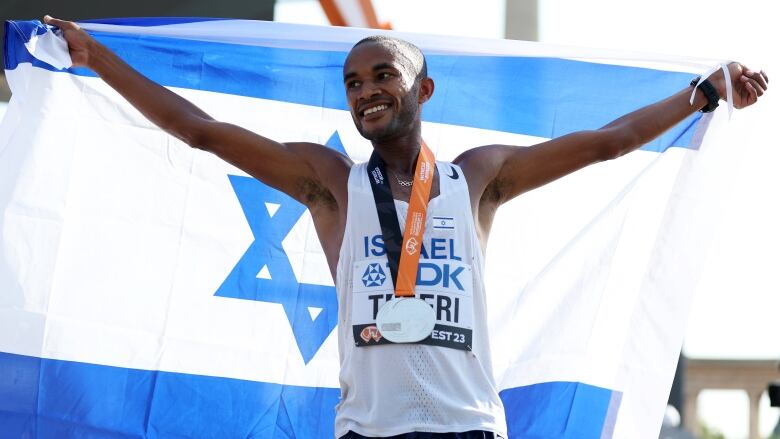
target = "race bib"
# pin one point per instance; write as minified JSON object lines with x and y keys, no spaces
{"x":446,"y":285}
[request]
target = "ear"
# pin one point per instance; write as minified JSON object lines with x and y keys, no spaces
{"x":426,"y":90}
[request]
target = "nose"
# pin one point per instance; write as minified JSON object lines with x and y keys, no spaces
{"x":368,"y":91}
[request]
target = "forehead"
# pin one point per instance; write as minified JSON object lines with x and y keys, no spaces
{"x":368,"y":55}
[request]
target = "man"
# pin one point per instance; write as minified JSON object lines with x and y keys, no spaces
{"x":441,"y":383}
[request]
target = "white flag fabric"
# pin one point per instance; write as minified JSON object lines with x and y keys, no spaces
{"x":151,"y":290}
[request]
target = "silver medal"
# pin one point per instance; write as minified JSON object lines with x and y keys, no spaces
{"x":405,"y":320}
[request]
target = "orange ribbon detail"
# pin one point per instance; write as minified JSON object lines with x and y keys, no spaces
{"x":415,"y":223}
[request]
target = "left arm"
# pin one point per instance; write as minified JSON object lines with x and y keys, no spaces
{"x":498,"y":173}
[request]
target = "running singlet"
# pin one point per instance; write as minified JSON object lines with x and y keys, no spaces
{"x":445,"y":382}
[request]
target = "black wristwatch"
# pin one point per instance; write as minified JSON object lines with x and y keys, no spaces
{"x":709,"y":92}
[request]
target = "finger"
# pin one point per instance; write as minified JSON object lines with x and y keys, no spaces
{"x":753,"y":94}
{"x":62,"y":24}
{"x":744,"y":97}
{"x":756,"y":86}
{"x":753,"y":85}
{"x":758,"y":77}
{"x":766,"y":78}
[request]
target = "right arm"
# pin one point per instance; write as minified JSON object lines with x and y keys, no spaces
{"x":301,"y":170}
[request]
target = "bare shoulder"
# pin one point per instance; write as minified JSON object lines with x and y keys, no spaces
{"x":481,"y":166}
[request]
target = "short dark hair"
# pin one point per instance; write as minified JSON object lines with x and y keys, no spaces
{"x":417,"y":64}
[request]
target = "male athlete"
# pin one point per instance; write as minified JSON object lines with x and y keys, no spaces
{"x":439,"y":386}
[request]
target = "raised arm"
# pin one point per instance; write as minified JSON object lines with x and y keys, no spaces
{"x":289,"y":167}
{"x":498,"y":173}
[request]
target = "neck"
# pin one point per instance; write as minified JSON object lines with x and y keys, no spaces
{"x":400,"y":153}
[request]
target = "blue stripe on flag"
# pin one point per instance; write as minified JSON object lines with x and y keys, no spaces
{"x":46,"y":398}
{"x":16,"y":34}
{"x":56,"y":399}
{"x":558,"y":410}
{"x":543,"y":97}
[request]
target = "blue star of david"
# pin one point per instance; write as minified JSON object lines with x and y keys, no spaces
{"x":374,"y":276}
{"x":266,"y":255}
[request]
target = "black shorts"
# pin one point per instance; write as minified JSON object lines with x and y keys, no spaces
{"x":474,"y":434}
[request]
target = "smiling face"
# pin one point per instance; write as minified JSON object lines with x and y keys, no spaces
{"x":383,"y":90}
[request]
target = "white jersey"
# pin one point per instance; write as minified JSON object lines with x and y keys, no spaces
{"x":445,"y":384}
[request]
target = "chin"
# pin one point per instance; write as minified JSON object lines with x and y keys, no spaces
{"x":375,"y":133}
{"x":388,"y":130}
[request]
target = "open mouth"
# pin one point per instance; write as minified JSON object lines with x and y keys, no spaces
{"x":374,"y":109}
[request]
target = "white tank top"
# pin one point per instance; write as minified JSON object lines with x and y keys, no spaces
{"x":446,"y":385}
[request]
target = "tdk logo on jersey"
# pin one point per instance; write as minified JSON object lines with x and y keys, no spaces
{"x":440,"y":265}
{"x":374,"y":275}
{"x":264,"y":272}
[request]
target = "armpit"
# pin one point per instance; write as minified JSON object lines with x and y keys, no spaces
{"x":313,"y":193}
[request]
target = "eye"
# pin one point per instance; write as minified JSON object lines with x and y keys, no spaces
{"x":383,"y":75}
{"x":352,"y":84}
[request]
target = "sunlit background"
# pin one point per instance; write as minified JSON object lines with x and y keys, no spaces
{"x":736,"y":314}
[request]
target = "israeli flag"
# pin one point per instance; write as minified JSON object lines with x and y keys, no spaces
{"x":151,"y":290}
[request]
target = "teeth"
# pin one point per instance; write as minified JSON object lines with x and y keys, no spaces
{"x":374,"y":109}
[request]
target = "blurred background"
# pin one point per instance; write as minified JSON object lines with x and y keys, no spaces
{"x":732,"y":348}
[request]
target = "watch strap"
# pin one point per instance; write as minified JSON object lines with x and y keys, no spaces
{"x":713,"y":98}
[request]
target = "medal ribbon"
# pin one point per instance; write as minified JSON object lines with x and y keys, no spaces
{"x":403,"y":252}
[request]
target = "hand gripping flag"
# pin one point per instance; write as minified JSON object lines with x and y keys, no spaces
{"x":151,"y":290}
